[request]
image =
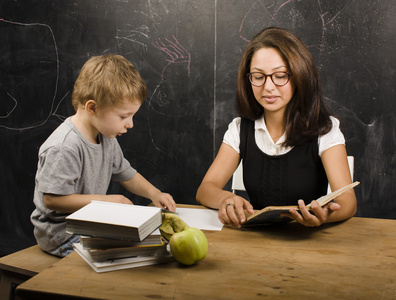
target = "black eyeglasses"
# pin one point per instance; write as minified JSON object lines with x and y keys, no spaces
{"x":278,"y":78}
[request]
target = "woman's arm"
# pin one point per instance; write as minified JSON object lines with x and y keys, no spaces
{"x":335,"y":163}
{"x":211,"y":194}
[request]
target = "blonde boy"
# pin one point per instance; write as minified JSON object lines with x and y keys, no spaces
{"x":81,"y":157}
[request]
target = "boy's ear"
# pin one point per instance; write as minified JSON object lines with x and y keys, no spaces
{"x":90,"y":107}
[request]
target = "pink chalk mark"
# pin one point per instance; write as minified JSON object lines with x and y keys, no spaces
{"x":176,"y":52}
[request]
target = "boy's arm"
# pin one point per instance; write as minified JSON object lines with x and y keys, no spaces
{"x":71,"y":203}
{"x":138,"y":185}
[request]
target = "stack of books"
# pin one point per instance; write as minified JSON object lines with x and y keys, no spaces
{"x":118,"y":236}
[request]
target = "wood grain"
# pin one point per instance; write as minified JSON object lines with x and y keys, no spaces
{"x":354,"y":259}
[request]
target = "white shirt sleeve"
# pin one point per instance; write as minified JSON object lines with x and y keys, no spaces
{"x":332,"y":138}
{"x":232,"y":136}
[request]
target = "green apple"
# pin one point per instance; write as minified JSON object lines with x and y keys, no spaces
{"x":189,"y":246}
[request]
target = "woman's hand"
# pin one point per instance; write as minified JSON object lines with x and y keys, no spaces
{"x":316,"y":217}
{"x":232,"y":211}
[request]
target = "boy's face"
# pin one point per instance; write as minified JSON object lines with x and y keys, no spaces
{"x":116,"y":121}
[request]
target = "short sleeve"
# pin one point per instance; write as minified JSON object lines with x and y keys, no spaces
{"x":59,"y":169}
{"x":232,"y":135}
{"x":332,"y":138}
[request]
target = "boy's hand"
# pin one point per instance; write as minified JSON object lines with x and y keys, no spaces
{"x":164,"y":200}
{"x":141,"y":187}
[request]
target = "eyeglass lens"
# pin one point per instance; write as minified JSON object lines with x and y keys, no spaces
{"x":278,"y":78}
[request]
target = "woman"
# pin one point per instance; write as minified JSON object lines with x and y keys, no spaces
{"x":290,"y":143}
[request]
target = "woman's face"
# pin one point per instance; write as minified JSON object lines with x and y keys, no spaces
{"x":271,"y":97}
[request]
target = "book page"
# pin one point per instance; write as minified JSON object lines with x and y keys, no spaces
{"x":204,"y":219}
{"x":272,"y":214}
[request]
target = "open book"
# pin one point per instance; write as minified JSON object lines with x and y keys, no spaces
{"x":272,"y":214}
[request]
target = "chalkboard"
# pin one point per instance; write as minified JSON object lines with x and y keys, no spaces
{"x":188,"y":54}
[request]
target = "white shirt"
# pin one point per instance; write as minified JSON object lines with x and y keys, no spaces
{"x":267,"y":145}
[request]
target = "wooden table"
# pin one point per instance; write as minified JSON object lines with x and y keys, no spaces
{"x":19,"y":266}
{"x":355,"y":259}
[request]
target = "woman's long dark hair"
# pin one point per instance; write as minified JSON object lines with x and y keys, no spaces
{"x":306,"y":115}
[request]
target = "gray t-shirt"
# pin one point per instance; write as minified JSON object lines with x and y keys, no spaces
{"x":70,"y":164}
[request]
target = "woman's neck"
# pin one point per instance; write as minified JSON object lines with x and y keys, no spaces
{"x":274,"y":122}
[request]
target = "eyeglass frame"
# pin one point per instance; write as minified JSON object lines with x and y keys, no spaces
{"x":270,"y":76}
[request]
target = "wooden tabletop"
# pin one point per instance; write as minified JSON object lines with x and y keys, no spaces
{"x":31,"y":257}
{"x":355,"y":259}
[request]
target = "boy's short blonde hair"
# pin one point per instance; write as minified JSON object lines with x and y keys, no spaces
{"x":108,"y":80}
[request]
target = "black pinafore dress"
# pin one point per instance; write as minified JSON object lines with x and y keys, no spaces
{"x":284,"y":179}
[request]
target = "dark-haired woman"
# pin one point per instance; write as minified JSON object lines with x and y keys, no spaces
{"x":289,"y":141}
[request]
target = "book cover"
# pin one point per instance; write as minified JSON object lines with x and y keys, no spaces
{"x":121,"y":263}
{"x":124,"y":252}
{"x":272,"y":214}
{"x":101,"y":243}
{"x":114,"y":220}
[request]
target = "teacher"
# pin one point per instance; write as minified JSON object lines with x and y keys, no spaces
{"x":289,"y":141}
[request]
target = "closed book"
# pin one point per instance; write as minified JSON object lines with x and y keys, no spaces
{"x":122,"y":263}
{"x":123,"y":252}
{"x":153,"y":238}
{"x":114,"y":221}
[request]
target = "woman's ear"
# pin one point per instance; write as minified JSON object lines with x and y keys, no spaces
{"x":90,"y":107}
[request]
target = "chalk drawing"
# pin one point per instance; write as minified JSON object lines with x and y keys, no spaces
{"x":17,"y":102}
{"x":176,"y":53}
{"x":167,"y":99}
{"x":271,"y":18}
{"x":133,"y":35}
{"x":161,"y":103}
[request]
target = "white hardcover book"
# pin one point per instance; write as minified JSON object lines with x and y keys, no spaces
{"x":89,"y":242}
{"x":122,"y":263}
{"x":114,"y":220}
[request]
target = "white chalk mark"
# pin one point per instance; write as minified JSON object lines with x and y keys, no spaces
{"x":57,"y":74}
{"x":15,"y":105}
{"x":60,"y":117}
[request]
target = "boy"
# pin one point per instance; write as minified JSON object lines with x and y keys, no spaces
{"x":81,"y":157}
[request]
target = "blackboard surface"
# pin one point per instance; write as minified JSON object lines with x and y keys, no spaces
{"x":188,"y":53}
